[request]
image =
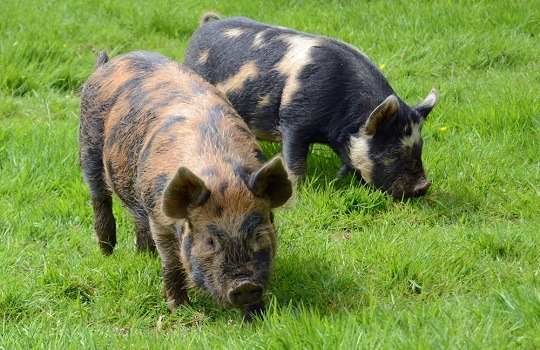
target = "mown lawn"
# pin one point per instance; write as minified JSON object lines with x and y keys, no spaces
{"x":458,"y":268}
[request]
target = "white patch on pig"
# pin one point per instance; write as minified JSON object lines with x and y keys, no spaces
{"x":258,"y":41}
{"x":236,"y":83}
{"x":388,"y":161}
{"x":292,"y":63}
{"x":263,"y":102}
{"x":359,"y":157}
{"x":234,"y":32}
{"x":204,"y":56}
{"x":414,"y":138}
{"x":262,"y":133}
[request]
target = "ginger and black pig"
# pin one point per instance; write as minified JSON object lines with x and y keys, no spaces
{"x":300,"y":89}
{"x":189,"y":171}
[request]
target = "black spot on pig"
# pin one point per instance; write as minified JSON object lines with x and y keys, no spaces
{"x":147,"y":62}
{"x":219,"y":211}
{"x":216,"y":231}
{"x":250,"y":223}
{"x":241,"y":171}
{"x":260,"y":155}
{"x":112,"y":175}
{"x":159,"y":187}
{"x":170,"y":122}
{"x":197,"y":274}
{"x":263,"y":260}
{"x":210,"y":172}
{"x":223,"y":187}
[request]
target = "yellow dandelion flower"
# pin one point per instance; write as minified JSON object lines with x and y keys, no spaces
{"x":382,"y":66}
{"x":443,"y":129}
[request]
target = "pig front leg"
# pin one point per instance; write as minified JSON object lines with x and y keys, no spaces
{"x":295,"y":152}
{"x":174,"y":277}
{"x":91,"y":159}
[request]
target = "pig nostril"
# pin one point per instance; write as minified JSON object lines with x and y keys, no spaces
{"x":421,"y":188}
{"x":245,"y":294}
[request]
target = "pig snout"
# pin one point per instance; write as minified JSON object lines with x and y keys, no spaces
{"x":245,"y":293}
{"x":421,"y":188}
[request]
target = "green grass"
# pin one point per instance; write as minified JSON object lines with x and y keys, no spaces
{"x":458,"y":268}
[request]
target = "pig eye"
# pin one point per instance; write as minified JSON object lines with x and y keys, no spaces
{"x":210,"y":242}
{"x":260,"y":237}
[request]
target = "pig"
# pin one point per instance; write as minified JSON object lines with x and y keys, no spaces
{"x":298,"y":89}
{"x":189,"y":171}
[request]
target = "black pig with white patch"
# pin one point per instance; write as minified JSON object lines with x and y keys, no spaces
{"x":189,"y":171}
{"x":301,"y":89}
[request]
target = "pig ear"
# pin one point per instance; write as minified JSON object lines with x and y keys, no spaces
{"x":383,"y":114}
{"x":272,"y":182}
{"x":427,"y":105}
{"x":185,"y":191}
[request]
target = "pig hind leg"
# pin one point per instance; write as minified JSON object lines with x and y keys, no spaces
{"x":104,"y":223}
{"x":101,"y":197}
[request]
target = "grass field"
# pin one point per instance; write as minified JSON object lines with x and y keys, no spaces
{"x":458,"y":268}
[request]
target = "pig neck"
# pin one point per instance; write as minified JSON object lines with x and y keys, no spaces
{"x":361,"y":87}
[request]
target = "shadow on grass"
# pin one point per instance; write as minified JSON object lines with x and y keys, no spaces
{"x":298,"y":282}
{"x":311,"y":281}
{"x":460,"y":207}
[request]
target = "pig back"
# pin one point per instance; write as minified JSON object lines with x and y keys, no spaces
{"x":156,"y":116}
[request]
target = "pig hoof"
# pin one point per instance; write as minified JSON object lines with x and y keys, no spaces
{"x":174,"y":302}
{"x":171,"y":306}
{"x":343,"y":171}
{"x":253,"y":310}
{"x":106,"y":248}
